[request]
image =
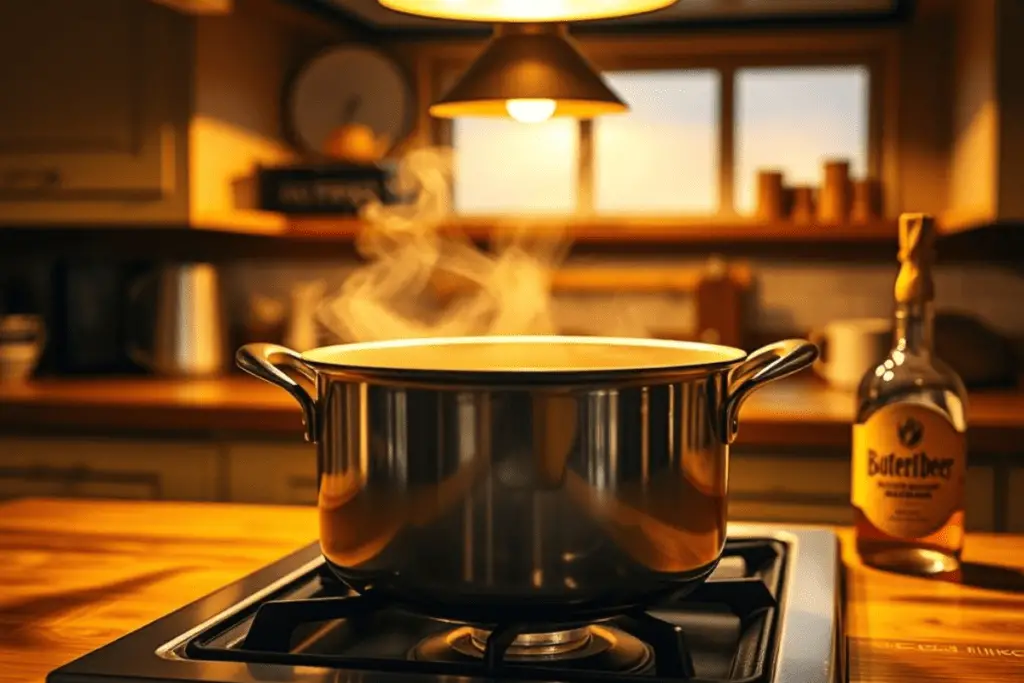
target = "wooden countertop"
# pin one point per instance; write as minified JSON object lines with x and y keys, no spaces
{"x":795,"y":412}
{"x":77,"y":574}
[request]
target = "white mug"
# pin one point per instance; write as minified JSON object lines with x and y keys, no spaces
{"x":849,"y":348}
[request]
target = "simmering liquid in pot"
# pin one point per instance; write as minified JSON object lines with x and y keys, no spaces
{"x":525,"y":354}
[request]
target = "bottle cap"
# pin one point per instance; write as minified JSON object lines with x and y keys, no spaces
{"x":916,"y":255}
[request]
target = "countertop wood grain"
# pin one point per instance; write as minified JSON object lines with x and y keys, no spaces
{"x":796,"y":412}
{"x":901,"y":629}
{"x":78,"y":574}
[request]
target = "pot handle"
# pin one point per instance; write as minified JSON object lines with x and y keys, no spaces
{"x":262,"y":360}
{"x":765,"y":365}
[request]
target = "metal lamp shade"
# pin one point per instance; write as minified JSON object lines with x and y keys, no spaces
{"x":492,"y":11}
{"x":526,"y":62}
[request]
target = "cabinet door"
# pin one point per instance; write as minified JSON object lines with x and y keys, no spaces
{"x":277,"y":473}
{"x":108,"y":468}
{"x":95,"y":100}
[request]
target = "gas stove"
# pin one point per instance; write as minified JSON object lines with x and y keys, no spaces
{"x":770,"y":612}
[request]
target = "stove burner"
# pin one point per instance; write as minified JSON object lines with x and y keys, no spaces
{"x":635,"y":642}
{"x":600,"y":648}
{"x":294,"y":620}
{"x":560,"y":644}
{"x":769,"y":613}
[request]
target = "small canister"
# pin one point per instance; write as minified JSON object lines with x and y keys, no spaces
{"x":803,"y":205}
{"x":770,"y":198}
{"x":834,"y":200}
{"x":867,"y":201}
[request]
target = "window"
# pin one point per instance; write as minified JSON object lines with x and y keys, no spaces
{"x":792,"y":119}
{"x":503,"y":166}
{"x":663,"y":157}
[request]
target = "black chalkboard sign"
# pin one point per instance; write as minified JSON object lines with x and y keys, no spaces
{"x":336,"y":189}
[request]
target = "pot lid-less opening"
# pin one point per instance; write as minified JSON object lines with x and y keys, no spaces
{"x":523,"y":358}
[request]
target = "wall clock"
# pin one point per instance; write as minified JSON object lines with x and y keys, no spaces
{"x":349,"y":85}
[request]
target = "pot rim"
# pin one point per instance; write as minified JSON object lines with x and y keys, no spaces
{"x":330,"y":359}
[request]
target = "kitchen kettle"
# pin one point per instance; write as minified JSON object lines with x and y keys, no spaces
{"x":188,"y":338}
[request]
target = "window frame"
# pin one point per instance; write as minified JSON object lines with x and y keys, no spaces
{"x":877,"y":50}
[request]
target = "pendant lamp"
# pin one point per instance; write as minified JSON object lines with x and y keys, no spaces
{"x":494,"y":11}
{"x":530,"y":72}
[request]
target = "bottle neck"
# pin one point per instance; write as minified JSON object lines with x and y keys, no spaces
{"x":913,"y":329}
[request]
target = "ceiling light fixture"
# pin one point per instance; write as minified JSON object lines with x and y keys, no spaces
{"x":493,"y":11}
{"x":531,"y":72}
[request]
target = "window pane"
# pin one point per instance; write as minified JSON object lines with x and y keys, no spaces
{"x":503,"y":166}
{"x":792,"y":119}
{"x":661,"y":156}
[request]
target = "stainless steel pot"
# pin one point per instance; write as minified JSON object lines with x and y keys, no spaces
{"x":525,"y":476}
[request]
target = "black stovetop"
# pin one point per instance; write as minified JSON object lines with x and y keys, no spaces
{"x":293,"y":621}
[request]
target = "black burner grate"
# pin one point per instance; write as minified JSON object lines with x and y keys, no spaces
{"x":309,"y":623}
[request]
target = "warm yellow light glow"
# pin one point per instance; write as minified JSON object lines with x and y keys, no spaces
{"x":497,"y":108}
{"x":530,"y":111}
{"x":525,"y":10}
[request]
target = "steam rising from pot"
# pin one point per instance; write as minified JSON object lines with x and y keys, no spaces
{"x":411,"y":262}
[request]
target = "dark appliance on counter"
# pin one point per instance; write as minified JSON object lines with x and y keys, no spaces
{"x":115,"y":318}
{"x":89,"y":318}
{"x":769,"y":612}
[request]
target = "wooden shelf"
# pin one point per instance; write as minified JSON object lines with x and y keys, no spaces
{"x":246,"y":222}
{"x":624,"y":229}
{"x":258,"y":234}
{"x":991,"y":243}
{"x":235,"y":222}
{"x":631,"y":230}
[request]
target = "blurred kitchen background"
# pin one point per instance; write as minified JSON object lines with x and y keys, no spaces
{"x":178,"y":177}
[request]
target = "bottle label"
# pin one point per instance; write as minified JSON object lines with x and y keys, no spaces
{"x":909,"y":466}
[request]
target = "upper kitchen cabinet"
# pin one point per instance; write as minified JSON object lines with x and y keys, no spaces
{"x":988,"y":139}
{"x":127,"y":112}
{"x":95,"y":110}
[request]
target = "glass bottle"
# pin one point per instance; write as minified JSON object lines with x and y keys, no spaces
{"x":909,"y":435}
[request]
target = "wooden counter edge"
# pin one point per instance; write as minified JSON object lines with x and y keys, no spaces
{"x":798,"y":412}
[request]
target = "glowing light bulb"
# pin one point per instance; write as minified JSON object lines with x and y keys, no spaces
{"x":530,"y":111}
